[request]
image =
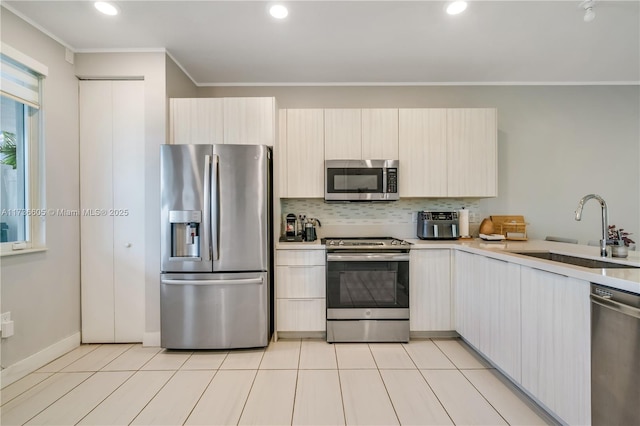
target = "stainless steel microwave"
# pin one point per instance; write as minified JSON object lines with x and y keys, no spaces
{"x":361,"y":180}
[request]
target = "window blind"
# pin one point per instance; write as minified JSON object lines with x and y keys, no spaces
{"x":18,"y":81}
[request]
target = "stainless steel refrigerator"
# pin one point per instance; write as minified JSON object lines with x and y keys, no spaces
{"x":216,"y":246}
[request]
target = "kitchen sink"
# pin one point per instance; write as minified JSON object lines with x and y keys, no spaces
{"x":573,"y":260}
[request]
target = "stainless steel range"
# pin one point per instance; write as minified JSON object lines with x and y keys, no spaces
{"x":367,"y":289}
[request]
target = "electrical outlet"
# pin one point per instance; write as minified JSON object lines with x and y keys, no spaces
{"x":6,"y":317}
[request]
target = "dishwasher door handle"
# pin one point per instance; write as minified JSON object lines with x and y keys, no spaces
{"x":616,"y":306}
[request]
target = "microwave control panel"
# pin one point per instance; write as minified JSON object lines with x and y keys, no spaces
{"x":392,"y":180}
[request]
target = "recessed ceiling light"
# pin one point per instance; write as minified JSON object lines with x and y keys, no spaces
{"x":456,"y":7}
{"x":106,"y":8}
{"x":278,"y":11}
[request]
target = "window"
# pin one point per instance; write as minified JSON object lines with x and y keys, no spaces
{"x":22,"y":210}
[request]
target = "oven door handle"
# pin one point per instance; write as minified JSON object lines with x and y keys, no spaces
{"x":368,"y":257}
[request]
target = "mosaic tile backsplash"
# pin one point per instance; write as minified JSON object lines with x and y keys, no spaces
{"x":374,"y":213}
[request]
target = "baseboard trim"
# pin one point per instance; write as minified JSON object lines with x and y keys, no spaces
{"x":151,"y":339}
{"x":28,"y":365}
{"x":433,"y":334}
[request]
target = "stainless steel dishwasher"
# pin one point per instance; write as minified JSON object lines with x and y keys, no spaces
{"x":615,"y":357}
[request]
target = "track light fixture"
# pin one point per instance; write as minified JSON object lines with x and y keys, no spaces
{"x":589,"y":14}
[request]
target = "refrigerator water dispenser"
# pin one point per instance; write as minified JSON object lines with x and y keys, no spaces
{"x":185,"y":233}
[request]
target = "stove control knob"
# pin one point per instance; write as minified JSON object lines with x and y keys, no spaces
{"x":332,"y":243}
{"x":341,"y":243}
{"x":367,"y":313}
{"x":394,"y":242}
{"x":404,"y":243}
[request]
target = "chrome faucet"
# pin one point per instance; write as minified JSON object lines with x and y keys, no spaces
{"x":605,"y":220}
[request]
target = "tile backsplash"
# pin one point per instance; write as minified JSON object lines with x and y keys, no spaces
{"x":373,"y":216}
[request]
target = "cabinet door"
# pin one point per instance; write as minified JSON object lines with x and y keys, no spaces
{"x":301,"y":315}
{"x":472,"y":152}
{"x":96,"y":192}
{"x":469,"y":295}
{"x":129,"y":210}
{"x":300,"y":282}
{"x":556,"y":349}
{"x":380,"y":134}
{"x":342,"y":134}
{"x":280,"y":157}
{"x":423,"y":152}
{"x":249,"y":121}
{"x":196,"y":121}
{"x":305,"y":153}
{"x":430,"y":290}
{"x":500,"y":319}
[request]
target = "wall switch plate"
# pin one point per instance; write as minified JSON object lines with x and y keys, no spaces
{"x":6,"y":317}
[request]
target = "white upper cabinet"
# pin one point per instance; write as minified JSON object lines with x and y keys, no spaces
{"x":245,"y":121}
{"x":448,"y":152}
{"x":342,"y":134}
{"x":249,"y":121}
{"x":196,"y":121}
{"x":301,"y":148}
{"x":472,"y":152}
{"x":380,"y":134}
{"x":423,"y":152}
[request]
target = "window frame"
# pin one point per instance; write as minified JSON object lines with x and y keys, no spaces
{"x":35,"y":197}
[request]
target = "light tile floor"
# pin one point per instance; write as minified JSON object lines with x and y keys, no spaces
{"x":299,"y":382}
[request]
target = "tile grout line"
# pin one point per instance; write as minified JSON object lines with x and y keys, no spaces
{"x":63,"y":395}
{"x":395,"y":412}
{"x":154,"y":395}
{"x":251,"y":388}
{"x":427,"y":382}
{"x":111,"y":393}
{"x":295,"y":389}
{"x":484,"y":397}
{"x":72,"y":362}
{"x":50,"y":374}
{"x":344,"y":411}
{"x":105,"y":366}
{"x":186,"y":419}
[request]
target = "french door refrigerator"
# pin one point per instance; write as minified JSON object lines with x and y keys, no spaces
{"x":215,"y":287}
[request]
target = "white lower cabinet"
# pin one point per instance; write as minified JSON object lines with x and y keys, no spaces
{"x":430,"y":290}
{"x":533,"y":325}
{"x":300,"y":290}
{"x":499,"y":307}
{"x":556,"y":343}
{"x":467,"y":276}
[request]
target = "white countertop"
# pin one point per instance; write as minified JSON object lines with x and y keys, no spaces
{"x":624,"y":279}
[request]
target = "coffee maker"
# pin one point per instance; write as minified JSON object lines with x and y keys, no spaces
{"x":292,"y":233}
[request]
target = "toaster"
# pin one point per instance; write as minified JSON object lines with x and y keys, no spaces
{"x":438,"y":225}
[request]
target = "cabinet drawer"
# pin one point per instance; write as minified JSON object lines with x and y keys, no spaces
{"x":301,"y":315}
{"x":300,"y":281}
{"x":300,"y":257}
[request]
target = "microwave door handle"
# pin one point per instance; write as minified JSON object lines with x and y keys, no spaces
{"x":384,"y":180}
{"x":215,"y":208}
{"x":205,"y":247}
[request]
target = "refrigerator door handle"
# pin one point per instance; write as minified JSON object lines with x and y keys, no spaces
{"x":215,"y":282}
{"x":215,"y":200}
{"x":206,"y":246}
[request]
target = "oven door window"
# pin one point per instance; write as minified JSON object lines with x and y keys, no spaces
{"x":367,"y":285}
{"x":345,"y":181}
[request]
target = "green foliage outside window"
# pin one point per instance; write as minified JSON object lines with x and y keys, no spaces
{"x":8,"y":149}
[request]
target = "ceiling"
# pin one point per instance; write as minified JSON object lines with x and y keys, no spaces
{"x":362,"y":42}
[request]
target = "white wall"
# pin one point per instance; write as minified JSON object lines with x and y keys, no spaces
{"x":555,"y":144}
{"x":42,"y":290}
